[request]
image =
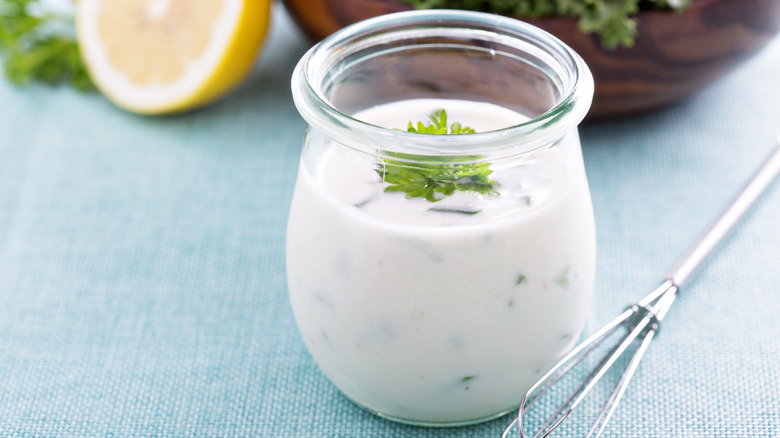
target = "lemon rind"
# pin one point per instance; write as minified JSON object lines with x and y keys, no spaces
{"x":239,"y":33}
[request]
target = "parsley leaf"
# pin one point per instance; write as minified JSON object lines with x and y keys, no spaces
{"x":434,"y":177}
{"x":39,"y":46}
{"x":438,"y":126}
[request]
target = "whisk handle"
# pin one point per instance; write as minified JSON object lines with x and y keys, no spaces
{"x":703,"y":247}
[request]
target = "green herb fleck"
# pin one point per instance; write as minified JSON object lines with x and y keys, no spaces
{"x":39,"y":46}
{"x":454,"y":210}
{"x":465,"y":380}
{"x":434,"y":177}
{"x":363,"y":203}
{"x":520,"y":279}
{"x":563,"y":279}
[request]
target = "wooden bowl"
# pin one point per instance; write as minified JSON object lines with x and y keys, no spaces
{"x":675,"y":54}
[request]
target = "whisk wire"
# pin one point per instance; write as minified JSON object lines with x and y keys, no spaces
{"x":567,"y":403}
{"x":641,"y":320}
{"x":617,"y":393}
{"x":647,"y":328}
{"x":564,"y":366}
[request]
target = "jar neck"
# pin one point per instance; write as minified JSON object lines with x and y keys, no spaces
{"x":443,"y":54}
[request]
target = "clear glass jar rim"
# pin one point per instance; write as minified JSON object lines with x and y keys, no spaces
{"x":320,"y":113}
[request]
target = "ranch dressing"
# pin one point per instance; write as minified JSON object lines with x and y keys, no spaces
{"x":440,"y":317}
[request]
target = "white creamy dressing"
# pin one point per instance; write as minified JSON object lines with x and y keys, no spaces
{"x":440,"y":317}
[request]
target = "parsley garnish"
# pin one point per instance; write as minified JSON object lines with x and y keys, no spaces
{"x":438,"y":126}
{"x":436,"y":177}
{"x":35,"y":45}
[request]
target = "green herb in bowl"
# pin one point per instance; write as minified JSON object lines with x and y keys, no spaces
{"x":611,"y":20}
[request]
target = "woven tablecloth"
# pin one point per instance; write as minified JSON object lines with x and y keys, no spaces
{"x":142,"y":277}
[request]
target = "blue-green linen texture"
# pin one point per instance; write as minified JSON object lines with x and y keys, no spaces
{"x":142,"y":274}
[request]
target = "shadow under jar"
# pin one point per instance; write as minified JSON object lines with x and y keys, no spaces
{"x":435,"y":278}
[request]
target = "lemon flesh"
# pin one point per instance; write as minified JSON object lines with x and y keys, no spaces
{"x":165,"y":56}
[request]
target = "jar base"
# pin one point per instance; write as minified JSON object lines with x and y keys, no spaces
{"x":437,"y":424}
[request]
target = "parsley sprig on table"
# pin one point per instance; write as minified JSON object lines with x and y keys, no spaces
{"x":611,"y":20}
{"x":436,"y":177}
{"x":36,"y":45}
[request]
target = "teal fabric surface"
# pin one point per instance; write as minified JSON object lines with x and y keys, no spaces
{"x":142,"y":278}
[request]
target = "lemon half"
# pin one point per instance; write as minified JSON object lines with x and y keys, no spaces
{"x":165,"y":56}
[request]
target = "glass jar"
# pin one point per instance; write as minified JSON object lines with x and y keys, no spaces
{"x":435,"y":278}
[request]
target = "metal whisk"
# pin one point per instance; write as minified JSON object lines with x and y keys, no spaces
{"x":639,"y":322}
